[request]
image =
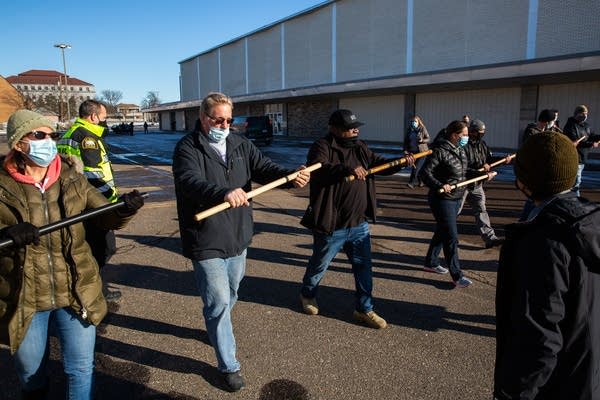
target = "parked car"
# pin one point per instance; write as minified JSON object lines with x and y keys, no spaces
{"x":259,"y":129}
{"x":239,"y":125}
{"x":124,"y":128}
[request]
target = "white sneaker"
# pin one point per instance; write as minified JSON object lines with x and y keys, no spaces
{"x":463,"y":282}
{"x":437,"y":269}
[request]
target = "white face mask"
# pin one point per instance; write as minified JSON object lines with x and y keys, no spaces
{"x":218,"y":135}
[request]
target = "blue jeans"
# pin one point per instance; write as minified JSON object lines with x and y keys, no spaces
{"x":578,"y":179}
{"x":356,"y":243}
{"x":218,"y":281}
{"x":414,"y":174}
{"x":445,"y":212}
{"x":77,"y":339}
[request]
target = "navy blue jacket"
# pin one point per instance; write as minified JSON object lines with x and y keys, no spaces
{"x":548,"y":305}
{"x":201,"y":181}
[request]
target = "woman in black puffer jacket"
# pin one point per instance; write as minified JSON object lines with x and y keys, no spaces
{"x":447,"y":165}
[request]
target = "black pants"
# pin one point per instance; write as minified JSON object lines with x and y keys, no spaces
{"x":102,"y":243}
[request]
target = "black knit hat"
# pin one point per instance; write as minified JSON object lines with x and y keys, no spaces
{"x":547,"y":164}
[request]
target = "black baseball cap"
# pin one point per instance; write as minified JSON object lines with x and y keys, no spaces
{"x":344,"y":119}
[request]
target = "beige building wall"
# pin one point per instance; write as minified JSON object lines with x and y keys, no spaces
{"x":371,"y":39}
{"x":382,"y":115}
{"x":233,"y":68}
{"x":566,"y":97}
{"x":264,"y":60}
{"x":190,"y":80}
{"x":462,"y":33}
{"x":564,"y":27}
{"x":308,"y":49}
{"x":497,"y":108}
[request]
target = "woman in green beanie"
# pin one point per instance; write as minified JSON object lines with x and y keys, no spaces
{"x":50,"y":281}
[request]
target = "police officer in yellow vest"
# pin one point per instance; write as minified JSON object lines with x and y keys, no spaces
{"x":83,"y":142}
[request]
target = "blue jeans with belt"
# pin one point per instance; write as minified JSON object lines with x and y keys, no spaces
{"x":77,"y":339}
{"x":445,"y":212}
{"x":218,"y":281}
{"x":356,"y":243}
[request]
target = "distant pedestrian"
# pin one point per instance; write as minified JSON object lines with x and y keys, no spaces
{"x":416,"y":140}
{"x":579,"y":131}
{"x":447,"y":165}
{"x":466,"y":119}
{"x":145,"y":127}
{"x":210,"y":167}
{"x":547,"y":302}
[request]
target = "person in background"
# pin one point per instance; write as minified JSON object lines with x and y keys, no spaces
{"x":84,"y":142}
{"x":339,"y":210}
{"x":579,"y":131}
{"x":479,"y":157}
{"x":145,"y":126}
{"x":547,"y":303}
{"x":466,"y":119}
{"x":210,"y":167}
{"x":52,"y":280}
{"x":447,"y":165}
{"x":546,"y":121}
{"x":415,"y":141}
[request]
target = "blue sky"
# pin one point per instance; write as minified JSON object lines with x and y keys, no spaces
{"x":130,"y":46}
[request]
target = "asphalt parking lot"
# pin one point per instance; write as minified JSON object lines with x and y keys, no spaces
{"x":153,"y":345}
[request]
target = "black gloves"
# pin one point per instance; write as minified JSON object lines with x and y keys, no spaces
{"x":23,"y":234}
{"x":132,"y":202}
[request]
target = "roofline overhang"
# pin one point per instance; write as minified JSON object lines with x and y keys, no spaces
{"x":539,"y":71}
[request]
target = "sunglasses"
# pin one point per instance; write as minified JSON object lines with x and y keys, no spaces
{"x":220,"y":120}
{"x":37,"y":135}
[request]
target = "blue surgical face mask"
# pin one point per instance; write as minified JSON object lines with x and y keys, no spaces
{"x":217,"y":134}
{"x":414,"y":124}
{"x":42,"y":152}
{"x":462,"y":142}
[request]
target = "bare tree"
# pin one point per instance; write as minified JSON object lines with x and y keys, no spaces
{"x":150,"y":100}
{"x":111,"y":98}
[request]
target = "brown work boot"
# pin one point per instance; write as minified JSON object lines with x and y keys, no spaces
{"x":370,"y":318}
{"x":309,"y":306}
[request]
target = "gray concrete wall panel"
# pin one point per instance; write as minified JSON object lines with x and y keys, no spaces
{"x":383,"y":116}
{"x":189,"y":80}
{"x":462,"y":33}
{"x":264,"y":60}
{"x":497,"y":108}
{"x":209,"y":73}
{"x":233,"y":69}
{"x":371,"y":39}
{"x":308,"y":49}
{"x":567,"y":27}
{"x":565,"y":97}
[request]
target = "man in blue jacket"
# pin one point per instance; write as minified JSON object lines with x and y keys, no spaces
{"x":210,"y":167}
{"x":547,"y":304}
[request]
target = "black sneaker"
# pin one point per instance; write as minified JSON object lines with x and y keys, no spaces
{"x":113,"y":295}
{"x":494,"y":242}
{"x":233,"y":380}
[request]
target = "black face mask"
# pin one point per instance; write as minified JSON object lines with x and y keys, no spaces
{"x":347,"y":142}
{"x":103,"y":124}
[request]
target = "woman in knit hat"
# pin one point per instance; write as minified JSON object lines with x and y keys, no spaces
{"x":51,"y":279}
{"x":547,"y":303}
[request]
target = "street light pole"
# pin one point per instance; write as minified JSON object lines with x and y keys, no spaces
{"x":62,"y":47}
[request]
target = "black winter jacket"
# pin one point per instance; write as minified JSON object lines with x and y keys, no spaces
{"x":547,"y":305}
{"x":478,"y":154}
{"x":325,"y":182}
{"x":201,"y":181}
{"x":574,"y":131}
{"x":446,"y":165}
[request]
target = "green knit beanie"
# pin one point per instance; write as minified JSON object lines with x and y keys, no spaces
{"x":21,"y":122}
{"x":547,"y":164}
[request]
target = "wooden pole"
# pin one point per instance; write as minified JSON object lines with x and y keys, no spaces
{"x":390,"y":164}
{"x":225,"y":205}
{"x":468,"y":181}
{"x":501,"y":161}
